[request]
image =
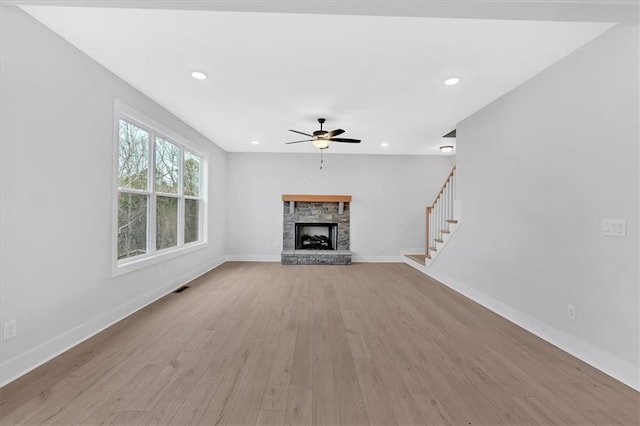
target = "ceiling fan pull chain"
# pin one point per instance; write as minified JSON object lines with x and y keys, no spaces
{"x":321,"y":159}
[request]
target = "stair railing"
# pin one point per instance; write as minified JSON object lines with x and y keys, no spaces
{"x":439,"y":215}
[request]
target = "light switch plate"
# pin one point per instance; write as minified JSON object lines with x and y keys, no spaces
{"x":614,"y":227}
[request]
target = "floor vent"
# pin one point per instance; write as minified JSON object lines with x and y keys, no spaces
{"x":181,"y":289}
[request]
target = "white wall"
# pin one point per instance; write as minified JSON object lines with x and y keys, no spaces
{"x":387,"y":213}
{"x":57,"y":135}
{"x":538,"y":170}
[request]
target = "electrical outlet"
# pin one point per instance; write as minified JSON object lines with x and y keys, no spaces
{"x":571,"y":312}
{"x":10,"y":329}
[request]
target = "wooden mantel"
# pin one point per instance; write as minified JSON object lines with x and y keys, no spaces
{"x":298,"y":198}
{"x":317,"y":198}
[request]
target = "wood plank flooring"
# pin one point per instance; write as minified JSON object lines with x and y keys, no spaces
{"x":365,"y":344}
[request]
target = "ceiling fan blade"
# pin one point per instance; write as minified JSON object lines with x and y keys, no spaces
{"x":335,"y":132}
{"x":347,"y":140}
{"x":301,"y":133}
{"x":306,"y":140}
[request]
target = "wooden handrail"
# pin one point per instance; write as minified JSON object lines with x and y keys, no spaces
{"x":444,"y":185}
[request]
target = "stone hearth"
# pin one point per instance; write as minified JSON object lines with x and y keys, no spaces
{"x":321,"y":210}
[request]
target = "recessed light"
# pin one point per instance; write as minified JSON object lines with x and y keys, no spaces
{"x":452,"y":81}
{"x":384,"y":144}
{"x":199,"y":75}
{"x":446,"y":148}
{"x":255,"y":142}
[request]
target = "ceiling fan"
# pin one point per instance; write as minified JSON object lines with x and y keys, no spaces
{"x":322,"y":138}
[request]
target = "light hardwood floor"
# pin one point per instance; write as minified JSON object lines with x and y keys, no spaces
{"x":266,"y":344}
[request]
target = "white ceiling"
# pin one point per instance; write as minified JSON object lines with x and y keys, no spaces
{"x":378,"y":77}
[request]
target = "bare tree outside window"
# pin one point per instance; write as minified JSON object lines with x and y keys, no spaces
{"x":133,"y":165}
{"x":133,"y":172}
{"x":191,"y":220}
{"x":166,"y":222}
{"x":132,"y":225}
{"x":167,"y":166}
{"x":191,"y":174}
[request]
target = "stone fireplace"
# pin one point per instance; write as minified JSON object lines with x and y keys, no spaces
{"x":316,"y":230}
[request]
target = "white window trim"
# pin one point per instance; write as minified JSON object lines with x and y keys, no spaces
{"x":119,"y":267}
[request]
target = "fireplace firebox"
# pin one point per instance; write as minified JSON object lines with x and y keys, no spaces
{"x":316,"y":236}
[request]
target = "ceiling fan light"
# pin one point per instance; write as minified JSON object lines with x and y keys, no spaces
{"x":446,"y":148}
{"x":321,"y":143}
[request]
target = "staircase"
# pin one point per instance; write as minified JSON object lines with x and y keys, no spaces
{"x":442,"y":220}
{"x":440,"y":217}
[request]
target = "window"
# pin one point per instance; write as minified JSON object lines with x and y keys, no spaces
{"x":159,"y":194}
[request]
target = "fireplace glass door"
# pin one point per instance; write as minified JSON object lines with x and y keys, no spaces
{"x":316,"y":236}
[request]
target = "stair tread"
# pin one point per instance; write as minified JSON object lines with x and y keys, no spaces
{"x":433,"y":249}
{"x":452,"y":221}
{"x":445,"y":231}
{"x":437,"y":240}
{"x":420,"y":258}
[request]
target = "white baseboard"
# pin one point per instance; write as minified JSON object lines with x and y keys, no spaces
{"x":253,"y":258}
{"x":376,"y":259}
{"x":621,"y":370}
{"x":21,"y":364}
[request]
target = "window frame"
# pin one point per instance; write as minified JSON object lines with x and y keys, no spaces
{"x":156,"y":130}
